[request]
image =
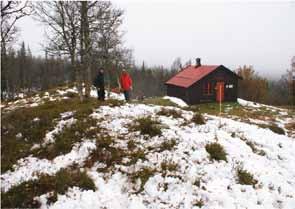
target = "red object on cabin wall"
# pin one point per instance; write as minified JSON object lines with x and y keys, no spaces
{"x":190,"y":75}
{"x":219,"y":91}
{"x":207,"y":89}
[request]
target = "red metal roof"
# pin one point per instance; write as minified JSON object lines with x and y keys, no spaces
{"x":191,"y":74}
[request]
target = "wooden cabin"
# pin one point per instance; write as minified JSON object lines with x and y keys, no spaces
{"x":204,"y":83}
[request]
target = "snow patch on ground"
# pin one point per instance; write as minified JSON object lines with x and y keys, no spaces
{"x":110,"y":194}
{"x":50,"y":136}
{"x":176,"y":100}
{"x":248,"y":103}
{"x":30,"y":168}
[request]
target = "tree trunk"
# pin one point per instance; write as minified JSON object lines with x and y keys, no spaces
{"x":79,"y":82}
{"x":85,"y":44}
{"x":77,"y":75}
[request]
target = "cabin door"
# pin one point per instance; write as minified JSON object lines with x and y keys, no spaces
{"x":219,"y":91}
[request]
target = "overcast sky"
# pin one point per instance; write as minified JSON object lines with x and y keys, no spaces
{"x":231,"y":33}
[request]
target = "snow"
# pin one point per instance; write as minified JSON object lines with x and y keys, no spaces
{"x":36,"y":119}
{"x":248,"y":103}
{"x":176,"y":100}
{"x":110,"y":191}
{"x":218,"y":189}
{"x":49,"y":137}
{"x":33,"y":105}
{"x":19,"y":135}
{"x":218,"y":178}
{"x":243,"y":102}
{"x":69,"y":90}
{"x":30,"y":168}
{"x":113,"y":95}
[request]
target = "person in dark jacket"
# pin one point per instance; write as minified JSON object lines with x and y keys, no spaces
{"x":99,"y":84}
{"x":126,"y":84}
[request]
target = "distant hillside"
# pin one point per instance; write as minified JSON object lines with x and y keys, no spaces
{"x":157,"y":153}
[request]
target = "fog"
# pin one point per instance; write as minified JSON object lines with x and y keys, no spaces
{"x":261,"y":34}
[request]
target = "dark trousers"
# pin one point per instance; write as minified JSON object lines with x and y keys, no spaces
{"x":127,"y":95}
{"x":100,"y":94}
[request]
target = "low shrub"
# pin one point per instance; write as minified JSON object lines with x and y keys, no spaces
{"x":114,"y":102}
{"x":198,"y":119}
{"x":290,"y":126}
{"x":274,"y":128}
{"x":135,"y":156}
{"x":143,"y":174}
{"x":169,"y":166}
{"x":131,"y":144}
{"x":170,"y":112}
{"x":245,"y":178}
{"x":199,"y":203}
{"x":71,"y":94}
{"x":105,"y":153}
{"x":147,"y":126}
{"x":216,"y":151}
{"x":167,"y":145}
{"x":197,"y":182}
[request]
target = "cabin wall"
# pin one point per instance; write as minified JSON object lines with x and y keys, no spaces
{"x":179,"y":92}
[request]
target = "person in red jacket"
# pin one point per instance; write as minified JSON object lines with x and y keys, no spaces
{"x":126,"y":84}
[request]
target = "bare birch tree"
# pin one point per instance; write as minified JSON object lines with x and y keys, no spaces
{"x":11,"y":12}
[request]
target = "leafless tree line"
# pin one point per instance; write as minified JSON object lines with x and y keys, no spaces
{"x":87,"y":33}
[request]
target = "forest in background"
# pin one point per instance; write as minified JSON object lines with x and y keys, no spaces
{"x":86,"y":36}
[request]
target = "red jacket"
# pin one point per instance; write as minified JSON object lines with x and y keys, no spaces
{"x":125,"y":81}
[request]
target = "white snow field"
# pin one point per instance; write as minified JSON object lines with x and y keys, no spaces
{"x":195,"y":181}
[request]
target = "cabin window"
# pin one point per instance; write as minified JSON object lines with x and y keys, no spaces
{"x":229,"y":86}
{"x":207,"y":89}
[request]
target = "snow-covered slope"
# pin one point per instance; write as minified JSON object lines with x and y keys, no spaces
{"x":180,"y":176}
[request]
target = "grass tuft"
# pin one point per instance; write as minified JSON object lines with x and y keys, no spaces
{"x":199,"y":203}
{"x":170,"y":112}
{"x":245,"y":178}
{"x":276,"y":129}
{"x":197,"y":182}
{"x":143,"y":174}
{"x":146,"y":126}
{"x":71,"y":94}
{"x":131,"y":144}
{"x":114,"y":102}
{"x":135,"y":156}
{"x":273,"y":127}
{"x":167,"y":145}
{"x":216,"y":151}
{"x":198,"y":119}
{"x":169,"y":166}
{"x":105,"y":153}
